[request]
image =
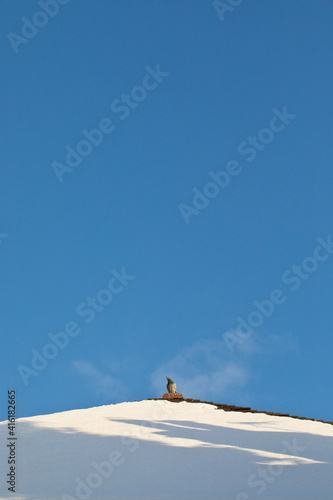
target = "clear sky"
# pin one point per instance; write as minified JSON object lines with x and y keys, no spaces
{"x":166,"y":203}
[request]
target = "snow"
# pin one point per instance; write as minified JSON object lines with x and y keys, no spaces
{"x":157,"y":450}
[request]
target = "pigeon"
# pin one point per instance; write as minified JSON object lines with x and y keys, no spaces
{"x":171,"y":386}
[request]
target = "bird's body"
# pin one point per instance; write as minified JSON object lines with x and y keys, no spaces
{"x":171,"y":386}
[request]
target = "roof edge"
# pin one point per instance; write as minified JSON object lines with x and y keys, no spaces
{"x":243,"y":409}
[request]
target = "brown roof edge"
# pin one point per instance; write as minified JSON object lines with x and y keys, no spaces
{"x":243,"y":409}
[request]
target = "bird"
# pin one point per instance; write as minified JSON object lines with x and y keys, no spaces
{"x":171,"y":386}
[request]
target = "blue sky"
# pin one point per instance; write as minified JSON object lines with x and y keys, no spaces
{"x":103,"y":252}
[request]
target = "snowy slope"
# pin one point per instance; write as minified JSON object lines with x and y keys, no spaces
{"x":161,"y":450}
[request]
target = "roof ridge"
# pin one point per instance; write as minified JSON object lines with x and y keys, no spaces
{"x":243,"y":409}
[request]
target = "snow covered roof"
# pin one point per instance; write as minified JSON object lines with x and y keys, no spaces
{"x":156,"y":450}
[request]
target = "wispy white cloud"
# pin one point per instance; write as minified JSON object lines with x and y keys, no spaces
{"x":203,"y":370}
{"x":265,"y":343}
{"x":281,"y":344}
{"x":100,"y":382}
{"x":207,"y":370}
